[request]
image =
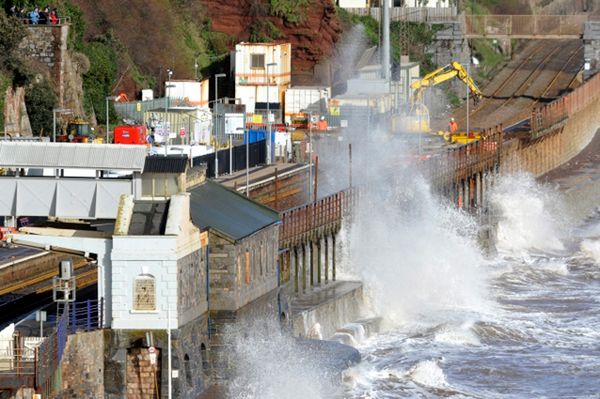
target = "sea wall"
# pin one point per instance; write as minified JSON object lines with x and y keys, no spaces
{"x":331,"y":307}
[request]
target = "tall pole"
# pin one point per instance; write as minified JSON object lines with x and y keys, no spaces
{"x":310,"y":177}
{"x":269,"y":114}
{"x":107,"y":127}
{"x":216,"y":126}
{"x":247,"y":159}
{"x":170,"y":371}
{"x":54,"y":126}
{"x":268,"y":118}
{"x":217,"y":76}
{"x":385,"y":64}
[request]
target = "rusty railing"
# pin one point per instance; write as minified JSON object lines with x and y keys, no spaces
{"x":548,"y":117}
{"x":307,"y":222}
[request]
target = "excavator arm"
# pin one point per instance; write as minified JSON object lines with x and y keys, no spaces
{"x":454,"y":69}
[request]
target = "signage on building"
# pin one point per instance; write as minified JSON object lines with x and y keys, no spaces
{"x":182,"y":132}
{"x":257,"y":118}
{"x":152,"y":355}
{"x":234,"y":123}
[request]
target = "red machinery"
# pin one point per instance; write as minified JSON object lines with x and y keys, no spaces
{"x":131,"y":134}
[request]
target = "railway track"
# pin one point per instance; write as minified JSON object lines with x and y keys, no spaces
{"x":39,"y":279}
{"x":548,"y":69}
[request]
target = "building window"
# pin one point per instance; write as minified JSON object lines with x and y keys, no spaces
{"x":257,"y":61}
{"x":144,"y":293}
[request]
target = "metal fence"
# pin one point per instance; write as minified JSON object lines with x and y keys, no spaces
{"x":135,"y":109}
{"x":234,"y":159}
{"x":301,"y":223}
{"x":411,"y":14}
{"x":525,"y":26}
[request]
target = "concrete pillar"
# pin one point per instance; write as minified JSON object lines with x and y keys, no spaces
{"x":333,"y":257}
{"x":326,"y":259}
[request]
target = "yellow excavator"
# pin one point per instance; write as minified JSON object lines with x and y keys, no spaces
{"x":417,"y":119}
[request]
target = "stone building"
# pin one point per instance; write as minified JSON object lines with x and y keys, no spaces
{"x":243,"y":245}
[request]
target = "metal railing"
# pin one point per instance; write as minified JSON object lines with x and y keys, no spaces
{"x":525,"y":26}
{"x":411,"y":14}
{"x":85,"y":316}
{"x":61,"y":21}
{"x":547,"y":118}
{"x":304,"y":222}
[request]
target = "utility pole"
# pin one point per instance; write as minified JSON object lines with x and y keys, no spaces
{"x":269,"y":114}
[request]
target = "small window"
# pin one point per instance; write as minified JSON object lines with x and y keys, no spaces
{"x":144,"y":293}
{"x":257,"y":61}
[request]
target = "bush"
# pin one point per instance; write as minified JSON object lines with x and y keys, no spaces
{"x":98,"y":81}
{"x":292,"y":11}
{"x":40,"y":99}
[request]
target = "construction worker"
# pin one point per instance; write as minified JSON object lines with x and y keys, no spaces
{"x":452,"y":126}
{"x":322,"y":124}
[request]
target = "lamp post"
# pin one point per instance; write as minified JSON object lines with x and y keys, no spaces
{"x":54,"y":112}
{"x":108,"y":98}
{"x":247,"y":142}
{"x":167,"y":87}
{"x":216,"y":128}
{"x":269,"y":114}
{"x":310,"y":153}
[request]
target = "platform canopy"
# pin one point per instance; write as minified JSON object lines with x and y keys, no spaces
{"x":72,"y":156}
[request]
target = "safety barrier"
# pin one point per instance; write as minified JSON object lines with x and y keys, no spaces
{"x":411,"y":14}
{"x":299,"y":224}
{"x":459,"y":163}
{"x":553,"y":115}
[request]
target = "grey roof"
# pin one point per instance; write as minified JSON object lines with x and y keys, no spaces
{"x":166,"y":164}
{"x":16,"y":154}
{"x":214,"y":206}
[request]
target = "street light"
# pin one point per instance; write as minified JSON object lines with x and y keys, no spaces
{"x":310,"y":152}
{"x":167,"y":87}
{"x":247,"y":141}
{"x":269,"y":115}
{"x":216,"y":127}
{"x":108,"y":98}
{"x":54,"y":112}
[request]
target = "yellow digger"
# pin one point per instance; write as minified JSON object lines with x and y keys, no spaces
{"x":417,"y":119}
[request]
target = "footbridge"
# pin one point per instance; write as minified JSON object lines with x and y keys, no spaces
{"x":68,"y":180}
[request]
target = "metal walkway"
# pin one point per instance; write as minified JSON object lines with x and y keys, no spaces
{"x":38,"y":183}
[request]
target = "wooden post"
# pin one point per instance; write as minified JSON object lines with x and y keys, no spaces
{"x":316,"y":177}
{"x":312,"y":263}
{"x":326,"y":259}
{"x":303,"y":268}
{"x":296,"y":271}
{"x":276,"y":191}
{"x":319,"y":261}
{"x":333,"y":256}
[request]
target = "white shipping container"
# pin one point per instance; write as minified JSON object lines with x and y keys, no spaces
{"x":194,"y":92}
{"x":301,"y":98}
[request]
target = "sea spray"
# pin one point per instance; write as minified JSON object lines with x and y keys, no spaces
{"x":416,"y":254}
{"x":530,"y":215}
{"x":270,"y":364}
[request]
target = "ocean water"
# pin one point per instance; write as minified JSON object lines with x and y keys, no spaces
{"x":524,"y":323}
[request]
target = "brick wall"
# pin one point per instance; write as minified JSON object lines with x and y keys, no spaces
{"x":143,"y":377}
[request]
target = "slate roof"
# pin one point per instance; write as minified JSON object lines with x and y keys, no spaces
{"x":214,"y":206}
{"x":166,"y":164}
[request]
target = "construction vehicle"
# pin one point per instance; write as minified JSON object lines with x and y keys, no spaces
{"x":417,"y":120}
{"x":78,"y":131}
